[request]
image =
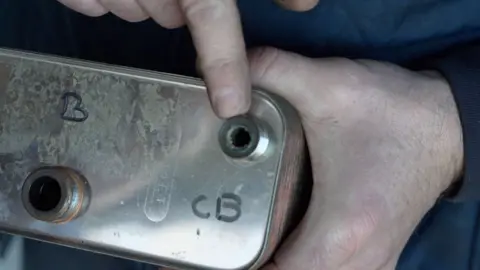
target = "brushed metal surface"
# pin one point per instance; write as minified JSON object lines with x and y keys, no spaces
{"x":162,"y":190}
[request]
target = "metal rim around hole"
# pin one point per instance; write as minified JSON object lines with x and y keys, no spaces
{"x":74,"y":194}
{"x":256,"y":133}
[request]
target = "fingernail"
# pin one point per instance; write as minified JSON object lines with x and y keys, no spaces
{"x":230,"y":102}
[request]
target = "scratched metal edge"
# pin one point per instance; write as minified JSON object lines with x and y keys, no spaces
{"x":291,"y":160}
{"x":85,"y":246}
{"x":141,"y":74}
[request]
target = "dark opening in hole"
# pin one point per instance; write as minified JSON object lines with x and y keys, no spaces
{"x":240,"y":137}
{"x":45,"y":193}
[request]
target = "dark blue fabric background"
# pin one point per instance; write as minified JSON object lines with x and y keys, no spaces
{"x":400,"y":31}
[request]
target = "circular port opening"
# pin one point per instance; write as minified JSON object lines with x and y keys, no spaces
{"x":45,"y":193}
{"x":243,"y":138}
{"x":240,"y":138}
{"x":55,"y":194}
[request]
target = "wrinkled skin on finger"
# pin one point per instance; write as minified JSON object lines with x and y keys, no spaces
{"x":216,"y":30}
{"x":384,"y":143}
{"x":217,"y":34}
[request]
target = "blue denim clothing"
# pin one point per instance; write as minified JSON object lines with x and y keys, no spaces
{"x":399,"y":31}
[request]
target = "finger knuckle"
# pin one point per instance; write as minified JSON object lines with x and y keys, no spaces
{"x":93,"y":11}
{"x":128,"y":10}
{"x":166,"y":13}
{"x":202,"y":10}
{"x":212,"y":65}
{"x":171,"y":24}
{"x":133,"y":18}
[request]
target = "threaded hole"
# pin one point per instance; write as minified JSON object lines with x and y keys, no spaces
{"x":45,"y":193}
{"x":240,"y":138}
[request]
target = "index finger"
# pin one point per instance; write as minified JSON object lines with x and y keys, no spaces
{"x":217,"y":34}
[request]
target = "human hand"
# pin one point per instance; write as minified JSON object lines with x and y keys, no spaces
{"x":384,"y":143}
{"x":217,"y":35}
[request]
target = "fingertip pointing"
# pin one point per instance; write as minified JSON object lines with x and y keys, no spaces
{"x":230,"y":102}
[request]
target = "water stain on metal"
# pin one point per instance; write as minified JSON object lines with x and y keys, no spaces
{"x":134,"y":121}
{"x":169,"y":134}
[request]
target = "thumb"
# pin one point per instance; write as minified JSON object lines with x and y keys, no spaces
{"x":286,"y":74}
{"x":309,"y":85}
{"x":298,"y":5}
